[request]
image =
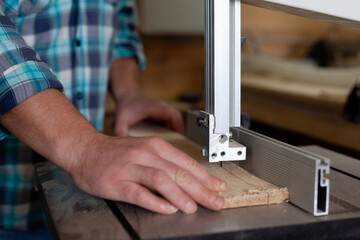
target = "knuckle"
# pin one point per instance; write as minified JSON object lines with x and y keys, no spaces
{"x":141,"y":147}
{"x":139,"y":154}
{"x":112,"y":178}
{"x":136,"y":153}
{"x":189,"y":162}
{"x":182,"y":177}
{"x":154,"y":141}
{"x":192,"y":164}
{"x":158,"y":178}
{"x":139,"y":195}
{"x":125,"y":189}
{"x":207,"y":194}
{"x":131,"y":153}
{"x":149,"y":140}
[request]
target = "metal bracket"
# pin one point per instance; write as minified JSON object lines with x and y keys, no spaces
{"x":218,"y":147}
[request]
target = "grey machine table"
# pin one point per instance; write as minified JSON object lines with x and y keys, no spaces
{"x":73,"y":214}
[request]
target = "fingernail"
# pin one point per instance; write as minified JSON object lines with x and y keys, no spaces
{"x":171,"y":208}
{"x":222,"y":186}
{"x":190,"y":207}
{"x":218,"y":201}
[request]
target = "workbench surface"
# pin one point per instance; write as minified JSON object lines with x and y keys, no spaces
{"x":73,"y":214}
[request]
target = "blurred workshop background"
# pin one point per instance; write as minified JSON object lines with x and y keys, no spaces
{"x":299,"y":75}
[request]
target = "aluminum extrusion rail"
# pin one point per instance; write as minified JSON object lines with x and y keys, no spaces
{"x":302,"y":172}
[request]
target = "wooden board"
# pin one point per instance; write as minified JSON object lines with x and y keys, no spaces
{"x":244,"y":189}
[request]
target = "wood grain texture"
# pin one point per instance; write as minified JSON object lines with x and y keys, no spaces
{"x":244,"y":189}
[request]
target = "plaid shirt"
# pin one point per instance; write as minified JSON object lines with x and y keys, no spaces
{"x":77,"y":39}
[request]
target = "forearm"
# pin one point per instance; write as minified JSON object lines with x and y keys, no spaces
{"x":124,"y":78}
{"x":49,"y":124}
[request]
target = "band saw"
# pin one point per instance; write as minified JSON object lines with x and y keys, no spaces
{"x":324,"y":186}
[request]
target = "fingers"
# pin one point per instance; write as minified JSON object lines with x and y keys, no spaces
{"x":178,"y":186}
{"x":194,"y":168}
{"x":180,"y":159}
{"x":138,"y":195}
{"x":136,"y":111}
{"x":161,"y":182}
{"x":176,"y":122}
{"x":197,"y":191}
{"x":164,"y":112}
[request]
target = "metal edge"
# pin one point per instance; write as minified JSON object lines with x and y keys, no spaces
{"x":322,"y":186}
{"x":284,"y":157}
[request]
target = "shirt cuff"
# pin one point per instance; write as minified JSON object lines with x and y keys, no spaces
{"x":22,"y":81}
{"x":125,"y":50}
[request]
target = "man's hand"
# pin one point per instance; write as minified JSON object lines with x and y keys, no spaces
{"x":131,"y":105}
{"x":134,"y":107}
{"x":117,"y":168}
{"x":123,"y":169}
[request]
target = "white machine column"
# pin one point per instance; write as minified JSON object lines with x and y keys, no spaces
{"x":223,"y":62}
{"x":217,"y":70}
{"x":222,"y":80}
{"x":235,"y":63}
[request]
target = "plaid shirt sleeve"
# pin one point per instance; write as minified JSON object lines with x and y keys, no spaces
{"x":22,"y":73}
{"x":127,"y":41}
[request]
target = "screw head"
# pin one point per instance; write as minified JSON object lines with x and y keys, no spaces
{"x":203,"y":152}
{"x":202,"y":122}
